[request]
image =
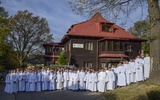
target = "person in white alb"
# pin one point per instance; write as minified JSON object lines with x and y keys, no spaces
{"x":75,"y":79}
{"x":66,"y":79}
{"x":102,"y":80}
{"x":146,"y":67}
{"x":110,"y":79}
{"x":27,"y":74}
{"x":70,"y":81}
{"x":39,"y":80}
{"x":32,"y":81}
{"x":128,"y":72}
{"x":93,"y":81}
{"x":52,"y":79}
{"x":13,"y":82}
{"x":21,"y":79}
{"x":133,"y":70}
{"x":7,"y":81}
{"x":59,"y":80}
{"x":113,"y":68}
{"x":120,"y":71}
{"x":139,"y":68}
{"x":81,"y":80}
{"x":86,"y":79}
{"x":45,"y":80}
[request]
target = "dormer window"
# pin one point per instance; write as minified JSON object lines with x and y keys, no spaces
{"x":106,"y":28}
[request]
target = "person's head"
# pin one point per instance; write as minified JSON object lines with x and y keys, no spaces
{"x":14,"y":71}
{"x":62,"y":68}
{"x":131,"y":60}
{"x":29,"y":70}
{"x":119,"y":64}
{"x":126,"y":62}
{"x":138,"y":56}
{"x":113,"y":66}
{"x":82,"y":70}
{"x":59,"y":72}
{"x":25,"y":70}
{"x":75,"y":71}
{"x":21,"y":71}
{"x":51,"y":71}
{"x":17,"y":69}
{"x":109,"y":68}
{"x":147,"y":54}
{"x":65,"y":70}
{"x":93,"y":71}
{"x":142,"y":54}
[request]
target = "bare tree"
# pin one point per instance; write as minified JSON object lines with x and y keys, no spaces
{"x":111,"y":8}
{"x":122,"y":9}
{"x":27,"y":34}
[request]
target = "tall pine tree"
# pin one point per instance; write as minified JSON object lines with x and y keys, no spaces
{"x":62,"y":60}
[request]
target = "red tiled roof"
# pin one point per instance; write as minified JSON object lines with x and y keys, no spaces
{"x":92,"y":28}
{"x":113,"y":55}
{"x":51,"y":56}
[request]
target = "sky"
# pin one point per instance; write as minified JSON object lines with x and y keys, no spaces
{"x":58,"y":13}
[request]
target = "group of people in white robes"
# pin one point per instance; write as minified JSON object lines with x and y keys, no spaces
{"x":78,"y":79}
{"x":73,"y":79}
{"x":133,"y":71}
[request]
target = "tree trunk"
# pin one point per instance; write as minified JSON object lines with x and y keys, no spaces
{"x":20,"y":63}
{"x":20,"y":60}
{"x":154,"y":16}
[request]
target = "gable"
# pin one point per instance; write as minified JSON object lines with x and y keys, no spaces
{"x":94,"y":28}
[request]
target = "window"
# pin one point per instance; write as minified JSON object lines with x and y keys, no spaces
{"x":115,"y":45}
{"x":109,"y":65}
{"x":121,"y":46}
{"x":103,"y":46}
{"x":49,"y":49}
{"x":56,"y":49}
{"x":106,"y":28}
{"x":103,"y":65}
{"x":128,"y":48}
{"x":88,"y":65}
{"x":46,"y":49}
{"x":110,"y":45}
{"x":88,"y":46}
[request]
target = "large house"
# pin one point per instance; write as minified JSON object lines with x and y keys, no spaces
{"x":97,"y":43}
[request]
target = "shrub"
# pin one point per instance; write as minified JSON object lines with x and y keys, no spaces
{"x":154,"y":95}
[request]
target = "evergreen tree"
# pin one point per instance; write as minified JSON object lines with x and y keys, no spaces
{"x":62,"y":60}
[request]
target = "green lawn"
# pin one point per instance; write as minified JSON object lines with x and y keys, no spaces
{"x":136,"y":91}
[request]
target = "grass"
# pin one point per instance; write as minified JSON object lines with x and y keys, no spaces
{"x":136,"y":91}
